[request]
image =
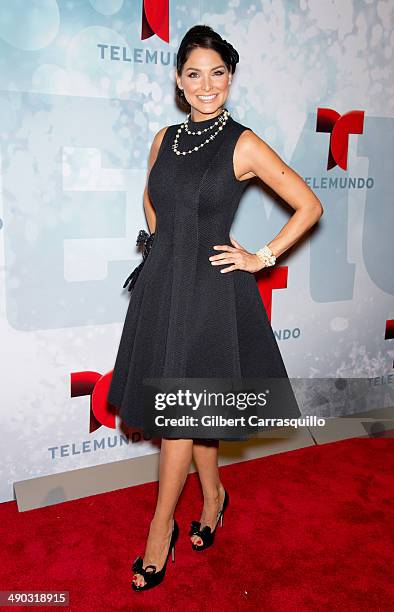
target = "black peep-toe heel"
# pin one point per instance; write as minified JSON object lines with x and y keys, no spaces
{"x":151,"y":576}
{"x":206,"y":534}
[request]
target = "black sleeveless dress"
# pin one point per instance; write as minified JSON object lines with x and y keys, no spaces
{"x":185,"y":318}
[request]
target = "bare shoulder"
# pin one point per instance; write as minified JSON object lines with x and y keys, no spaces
{"x":155,"y":146}
{"x":254,"y":157}
{"x":158,"y":138}
{"x":249,"y":142}
{"x":244,"y":148}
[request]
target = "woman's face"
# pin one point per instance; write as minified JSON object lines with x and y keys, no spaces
{"x":205,"y":81}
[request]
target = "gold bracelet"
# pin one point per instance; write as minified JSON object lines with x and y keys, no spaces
{"x":266,"y":256}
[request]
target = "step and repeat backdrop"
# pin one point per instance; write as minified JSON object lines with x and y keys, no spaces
{"x":84,"y":87}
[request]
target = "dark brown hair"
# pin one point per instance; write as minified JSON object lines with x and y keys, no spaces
{"x":203,"y":36}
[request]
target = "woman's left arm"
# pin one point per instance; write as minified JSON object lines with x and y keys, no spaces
{"x":254,"y":157}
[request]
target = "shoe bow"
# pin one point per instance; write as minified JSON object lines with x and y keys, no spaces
{"x":195,"y":529}
{"x":138,"y":569}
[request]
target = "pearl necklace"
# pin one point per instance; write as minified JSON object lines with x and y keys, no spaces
{"x":222,"y":118}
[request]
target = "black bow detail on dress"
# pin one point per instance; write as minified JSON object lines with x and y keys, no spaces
{"x":146,"y":240}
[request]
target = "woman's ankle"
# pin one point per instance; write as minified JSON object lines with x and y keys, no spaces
{"x":162,"y":523}
{"x":216,"y":495}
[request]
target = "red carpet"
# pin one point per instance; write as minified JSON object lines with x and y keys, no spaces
{"x":305,"y":530}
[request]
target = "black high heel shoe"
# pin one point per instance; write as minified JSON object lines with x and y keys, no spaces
{"x":152,"y":577}
{"x":206,"y":534}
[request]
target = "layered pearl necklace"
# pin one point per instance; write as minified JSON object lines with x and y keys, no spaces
{"x":221,"y":122}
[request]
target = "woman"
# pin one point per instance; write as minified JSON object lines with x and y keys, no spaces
{"x":184,"y":318}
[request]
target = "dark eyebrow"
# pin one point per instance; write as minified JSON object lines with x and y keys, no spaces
{"x":221,"y":66}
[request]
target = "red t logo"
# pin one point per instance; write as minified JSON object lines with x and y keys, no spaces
{"x":339,"y":127}
{"x":155,"y":19}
